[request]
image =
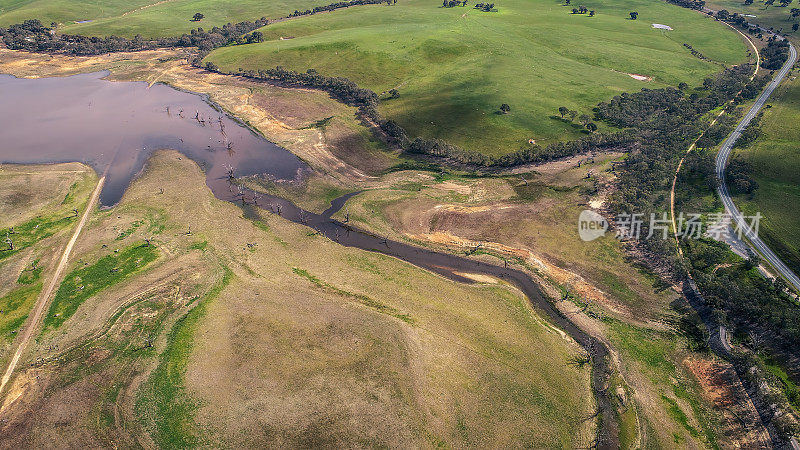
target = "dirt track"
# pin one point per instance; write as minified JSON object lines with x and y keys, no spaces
{"x":44,"y":297}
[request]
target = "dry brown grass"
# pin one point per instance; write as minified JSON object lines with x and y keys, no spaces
{"x":279,"y":360}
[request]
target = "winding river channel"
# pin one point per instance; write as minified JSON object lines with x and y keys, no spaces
{"x":115,"y":126}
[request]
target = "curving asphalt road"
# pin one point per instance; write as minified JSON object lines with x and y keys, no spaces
{"x":753,"y":241}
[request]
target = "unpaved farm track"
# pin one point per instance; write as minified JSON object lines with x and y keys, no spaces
{"x":44,"y":297}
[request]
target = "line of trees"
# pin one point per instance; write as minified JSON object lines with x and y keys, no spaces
{"x":690,"y":4}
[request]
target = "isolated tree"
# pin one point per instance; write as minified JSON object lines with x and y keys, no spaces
{"x":582,"y":9}
{"x":394,"y":93}
{"x":635,"y":14}
{"x":795,"y":26}
{"x":563,"y":110}
{"x":591,"y":127}
{"x":505,"y":108}
{"x":769,"y":2}
{"x":574,"y":10}
{"x":567,"y":2}
{"x":683,"y":86}
{"x":591,"y":13}
{"x":785,"y":3}
{"x":198,"y":17}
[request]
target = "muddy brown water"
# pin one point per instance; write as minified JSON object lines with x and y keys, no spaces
{"x":115,"y":126}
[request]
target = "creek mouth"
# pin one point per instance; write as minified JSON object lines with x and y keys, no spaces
{"x":114,"y":127}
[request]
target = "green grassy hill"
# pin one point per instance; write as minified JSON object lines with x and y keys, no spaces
{"x":150,"y":18}
{"x":777,"y":17}
{"x":454,"y":67}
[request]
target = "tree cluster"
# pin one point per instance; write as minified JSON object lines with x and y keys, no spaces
{"x":739,"y":176}
{"x":690,"y":4}
{"x":453,"y":3}
{"x":775,"y":54}
{"x":485,"y":7}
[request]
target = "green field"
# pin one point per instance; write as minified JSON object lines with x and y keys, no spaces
{"x":776,"y":17}
{"x":775,"y":157}
{"x":150,"y":18}
{"x":454,"y":67}
{"x":87,"y":281}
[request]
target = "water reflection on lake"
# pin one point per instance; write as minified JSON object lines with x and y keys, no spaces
{"x":115,"y":126}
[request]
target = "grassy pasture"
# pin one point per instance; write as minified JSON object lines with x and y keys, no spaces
{"x":150,"y":18}
{"x":775,"y":157}
{"x":454,"y":67}
{"x":777,"y":17}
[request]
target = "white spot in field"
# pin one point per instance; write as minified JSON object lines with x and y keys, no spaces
{"x":662,"y":27}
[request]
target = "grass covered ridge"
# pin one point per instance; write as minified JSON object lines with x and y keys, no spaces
{"x":454,"y":67}
{"x":149,"y":18}
{"x":84,"y":282}
{"x":163,"y":399}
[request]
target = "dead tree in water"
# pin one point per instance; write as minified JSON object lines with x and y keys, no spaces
{"x":230,"y":171}
{"x":180,"y":113}
{"x":168,"y":114}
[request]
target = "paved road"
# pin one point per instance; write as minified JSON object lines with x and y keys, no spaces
{"x":753,"y":241}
